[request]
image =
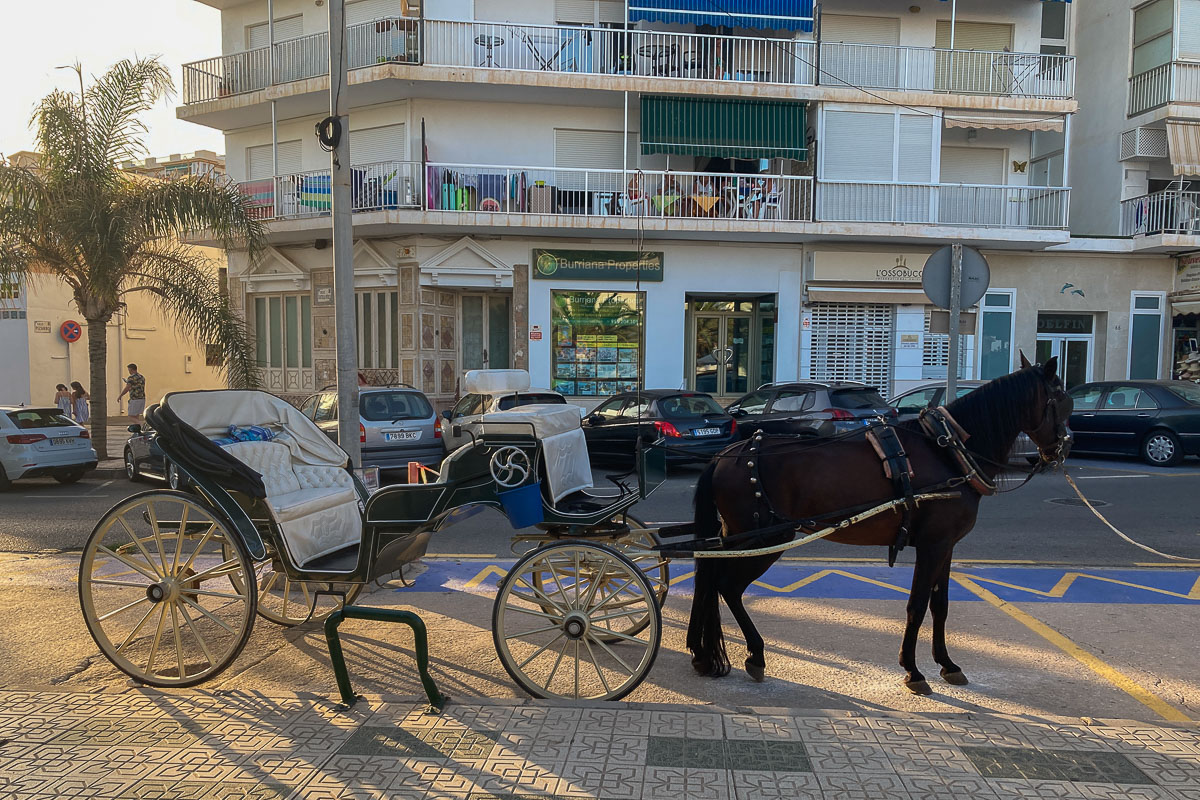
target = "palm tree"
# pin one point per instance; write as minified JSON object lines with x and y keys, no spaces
{"x":76,"y":217}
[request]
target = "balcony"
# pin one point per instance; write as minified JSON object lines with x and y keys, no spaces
{"x":952,"y":204}
{"x":658,"y":55}
{"x":1175,"y":82}
{"x":1169,"y":211}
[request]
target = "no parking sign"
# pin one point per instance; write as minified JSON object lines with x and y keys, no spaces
{"x":70,"y":331}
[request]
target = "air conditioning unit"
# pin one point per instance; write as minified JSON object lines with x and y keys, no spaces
{"x":1143,"y":142}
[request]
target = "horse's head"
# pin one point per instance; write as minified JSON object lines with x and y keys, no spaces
{"x":1046,"y":417}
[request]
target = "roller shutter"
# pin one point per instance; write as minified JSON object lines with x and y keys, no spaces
{"x":258,"y":160}
{"x":374,"y":145}
{"x":290,"y":28}
{"x":974,"y":36}
{"x":588,"y":12}
{"x":367,"y":10}
{"x":853,"y":342}
{"x":860,"y":30}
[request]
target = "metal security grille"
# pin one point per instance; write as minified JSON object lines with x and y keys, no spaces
{"x":853,"y":342}
{"x":935,"y":352}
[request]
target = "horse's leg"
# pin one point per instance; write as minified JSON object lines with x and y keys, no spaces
{"x":939,"y":606}
{"x":756,"y":665}
{"x":928,"y":561}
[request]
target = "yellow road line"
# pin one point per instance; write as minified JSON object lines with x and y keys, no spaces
{"x":1110,"y":674}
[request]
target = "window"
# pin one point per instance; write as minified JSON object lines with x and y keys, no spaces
{"x":996,"y":334}
{"x":856,"y":399}
{"x":283,"y":331}
{"x":1121,"y":398}
{"x":378,"y":320}
{"x":611,"y":409}
{"x":792,"y":401}
{"x":635,"y":410}
{"x":289,"y":28}
{"x":1145,"y":335}
{"x":469,"y":405}
{"x":260,"y":162}
{"x":597,"y":342}
{"x":393,"y":406}
{"x":326,"y":408}
{"x":1055,"y":28}
{"x":917,"y":401}
{"x":528,"y":399}
{"x":877,"y":148}
{"x":39,"y":418}
{"x":1086,"y":399}
{"x":753,"y":403}
{"x":1152,"y":25}
{"x":1189,"y":392}
{"x":309,"y":406}
{"x":935,"y":351}
{"x":688,"y":406}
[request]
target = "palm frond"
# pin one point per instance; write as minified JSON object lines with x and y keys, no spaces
{"x":115,"y":101}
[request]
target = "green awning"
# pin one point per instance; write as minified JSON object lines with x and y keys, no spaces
{"x":703,"y":126}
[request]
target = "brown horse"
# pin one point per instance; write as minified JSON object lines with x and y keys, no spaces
{"x":799,"y":480}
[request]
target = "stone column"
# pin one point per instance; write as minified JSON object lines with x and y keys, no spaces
{"x":520,"y":317}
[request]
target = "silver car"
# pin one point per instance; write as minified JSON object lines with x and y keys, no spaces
{"x":928,"y":395}
{"x":396,"y":425}
{"x":468,"y":412}
{"x":35,"y":442}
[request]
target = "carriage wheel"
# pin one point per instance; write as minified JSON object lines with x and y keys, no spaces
{"x":549,"y":619}
{"x":654,"y":566}
{"x":163,"y":592}
{"x":287,"y":602}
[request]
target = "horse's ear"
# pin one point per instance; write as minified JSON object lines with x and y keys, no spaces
{"x":1050,"y":368}
{"x":1024,"y":361}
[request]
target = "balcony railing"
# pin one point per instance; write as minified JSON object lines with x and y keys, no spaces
{"x":654,"y":54}
{"x":1168,"y":211}
{"x":1175,"y":82}
{"x":373,"y":187}
{"x":957,"y":204}
{"x":954,"y":71}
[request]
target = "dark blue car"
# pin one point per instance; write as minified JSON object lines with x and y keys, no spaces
{"x":1157,"y":420}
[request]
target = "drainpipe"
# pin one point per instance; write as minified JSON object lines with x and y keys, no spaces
{"x":953,"y":16}
{"x":625,"y":143}
{"x":271,"y":46}
{"x":1066,"y":178}
{"x":274,"y":143}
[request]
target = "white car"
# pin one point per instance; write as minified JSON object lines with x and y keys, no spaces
{"x":468,"y":412}
{"x":927,"y":395}
{"x":36,"y":441}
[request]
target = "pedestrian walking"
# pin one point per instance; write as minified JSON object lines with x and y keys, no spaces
{"x":135,"y":387}
{"x":79,"y":400}
{"x":62,"y":399}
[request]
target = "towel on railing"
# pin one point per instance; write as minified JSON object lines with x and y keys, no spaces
{"x":316,"y":191}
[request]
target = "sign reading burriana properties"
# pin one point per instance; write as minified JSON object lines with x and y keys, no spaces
{"x":1187,"y":274}
{"x":597,"y":265}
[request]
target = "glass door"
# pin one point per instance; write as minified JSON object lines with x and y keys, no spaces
{"x":486,"y":331}
{"x":723,"y":354}
{"x":1074,"y":357}
{"x":736,"y":369}
{"x":710,"y":354}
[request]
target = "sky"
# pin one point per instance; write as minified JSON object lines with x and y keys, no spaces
{"x":43,"y":34}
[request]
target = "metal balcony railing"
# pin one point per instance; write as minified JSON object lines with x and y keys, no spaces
{"x":1168,"y":211}
{"x":1174,"y":82}
{"x":957,"y":204}
{"x":373,"y":187}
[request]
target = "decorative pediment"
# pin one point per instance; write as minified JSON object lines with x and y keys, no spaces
{"x":466,"y":263}
{"x":275,"y":272}
{"x":371,"y":267}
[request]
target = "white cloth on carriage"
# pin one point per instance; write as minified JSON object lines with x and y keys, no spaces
{"x":316,"y":507}
{"x":564,"y":447}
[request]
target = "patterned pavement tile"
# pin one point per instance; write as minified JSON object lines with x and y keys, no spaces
{"x":924,"y":787}
{"x":1135,"y":738}
{"x":1168,"y":770}
{"x":829,"y":729}
{"x":850,"y":757}
{"x":458,"y":743}
{"x":1050,"y":736}
{"x":767,"y":785}
{"x":994,"y":732}
{"x":608,"y":749}
{"x":761,"y":727}
{"x":325,"y":792}
{"x":668,"y":751}
{"x":857,"y":786}
{"x":548,"y":747}
{"x":1009,"y":789}
{"x":391,"y":741}
{"x":612,"y":782}
{"x":908,"y":731}
{"x":929,"y":759}
{"x":672,"y":783}
{"x":1054,"y":765}
{"x":628,"y":722}
{"x":517,"y":777}
{"x":778,"y":756}
{"x":1109,"y":791}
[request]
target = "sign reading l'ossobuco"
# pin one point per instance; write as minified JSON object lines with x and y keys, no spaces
{"x":597,"y":265}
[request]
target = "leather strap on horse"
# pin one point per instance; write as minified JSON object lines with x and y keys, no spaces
{"x":942,"y":427}
{"x":898,"y":469}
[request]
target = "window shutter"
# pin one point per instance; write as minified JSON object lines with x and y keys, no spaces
{"x":373,"y":145}
{"x":973,"y":165}
{"x":590,"y":149}
{"x":858,"y":146}
{"x":915,"y":164}
{"x":614,"y":10}
{"x":290,"y":28}
{"x":860,"y":30}
{"x":258,"y":160}
{"x":1189,"y":29}
{"x":974,"y":36}
{"x":367,"y":10}
{"x":576,"y":11}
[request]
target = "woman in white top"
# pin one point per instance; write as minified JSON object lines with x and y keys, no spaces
{"x":80,"y":399}
{"x":62,"y":399}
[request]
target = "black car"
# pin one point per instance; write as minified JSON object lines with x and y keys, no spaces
{"x":142,"y":461}
{"x":692,"y":423}
{"x":1157,"y":420}
{"x":812,"y":407}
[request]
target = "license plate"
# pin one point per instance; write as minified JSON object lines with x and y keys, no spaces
{"x":68,"y":441}
{"x":401,"y":436}
{"x":706,"y":432}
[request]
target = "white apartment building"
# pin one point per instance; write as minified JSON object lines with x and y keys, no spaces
{"x":782,"y":173}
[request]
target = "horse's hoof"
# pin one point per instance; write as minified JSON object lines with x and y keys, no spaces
{"x":955,"y":678}
{"x":702,"y":666}
{"x":920,"y":687}
{"x":756,"y":671}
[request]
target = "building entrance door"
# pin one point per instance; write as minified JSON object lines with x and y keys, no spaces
{"x":486,"y":331}
{"x":731,"y":348}
{"x":1070,"y":337}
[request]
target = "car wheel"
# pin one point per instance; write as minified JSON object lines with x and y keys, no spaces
{"x":68,"y":477}
{"x":1161,"y":449}
{"x":131,"y":470}
{"x":5,"y":483}
{"x":174,"y":479}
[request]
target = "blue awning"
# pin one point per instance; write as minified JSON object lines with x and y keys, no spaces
{"x":786,"y":15}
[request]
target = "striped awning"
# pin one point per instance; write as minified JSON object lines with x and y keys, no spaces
{"x":1183,"y":144}
{"x":787,"y":15}
{"x":720,"y":128}
{"x":1002,"y":122}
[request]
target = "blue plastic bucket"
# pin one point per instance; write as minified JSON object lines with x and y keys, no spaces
{"x":523,"y":506}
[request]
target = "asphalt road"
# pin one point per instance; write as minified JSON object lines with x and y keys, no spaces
{"x":1153,"y":505}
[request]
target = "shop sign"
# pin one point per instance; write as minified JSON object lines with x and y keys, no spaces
{"x":1064,"y":323}
{"x":41,"y":326}
{"x":324,"y":295}
{"x":535,"y":333}
{"x":597,"y":265}
{"x":910,"y":341}
{"x":870,"y":268}
{"x":1187,"y":274}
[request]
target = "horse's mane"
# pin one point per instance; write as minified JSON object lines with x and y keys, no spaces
{"x":993,"y":413}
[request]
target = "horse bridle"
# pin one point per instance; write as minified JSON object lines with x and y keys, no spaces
{"x":1060,"y":430}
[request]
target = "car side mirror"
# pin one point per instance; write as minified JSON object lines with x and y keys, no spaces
{"x":135,"y":429}
{"x":448,"y":414}
{"x":593,"y":419}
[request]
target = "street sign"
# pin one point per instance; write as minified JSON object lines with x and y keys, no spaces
{"x":70,"y":331}
{"x":936,"y":278}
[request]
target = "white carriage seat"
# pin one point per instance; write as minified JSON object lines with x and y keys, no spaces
{"x":316,"y":506}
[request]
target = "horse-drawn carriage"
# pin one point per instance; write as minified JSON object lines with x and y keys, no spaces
{"x":280,"y":527}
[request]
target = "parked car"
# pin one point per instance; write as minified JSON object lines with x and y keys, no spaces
{"x":36,"y":441}
{"x":1157,"y":420}
{"x":142,"y":461}
{"x":396,"y":425}
{"x":812,"y":407}
{"x":468,"y":412}
{"x":692,"y":423}
{"x":931,"y":395}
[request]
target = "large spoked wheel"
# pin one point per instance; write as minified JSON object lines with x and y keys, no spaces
{"x":551,"y":616}
{"x":288,"y":603}
{"x":162,"y":585}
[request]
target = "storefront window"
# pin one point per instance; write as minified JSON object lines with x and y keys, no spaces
{"x":1145,"y":336}
{"x":597,"y":342}
{"x":995,"y":340}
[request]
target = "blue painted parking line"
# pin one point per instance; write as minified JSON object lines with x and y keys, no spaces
{"x":864,"y":582}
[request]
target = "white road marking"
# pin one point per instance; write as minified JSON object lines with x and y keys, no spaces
{"x":1110,"y":477}
{"x":53,"y":496}
{"x":101,"y":486}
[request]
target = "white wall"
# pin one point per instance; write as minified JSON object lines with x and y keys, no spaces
{"x":1016,"y":145}
{"x":14,"y":364}
{"x":918,"y":30}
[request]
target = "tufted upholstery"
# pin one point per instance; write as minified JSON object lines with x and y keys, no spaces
{"x":316,"y":506}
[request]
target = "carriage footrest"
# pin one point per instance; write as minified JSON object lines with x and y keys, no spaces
{"x":671,"y":531}
{"x":437,"y":700}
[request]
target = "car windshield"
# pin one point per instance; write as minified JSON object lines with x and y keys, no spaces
{"x":532,"y":398}
{"x":1190,"y":392}
{"x":688,"y":406}
{"x":39,"y":418}
{"x":388,"y":406}
{"x":857,"y":399}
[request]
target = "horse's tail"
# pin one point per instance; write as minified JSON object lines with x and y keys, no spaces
{"x":705,"y":639}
